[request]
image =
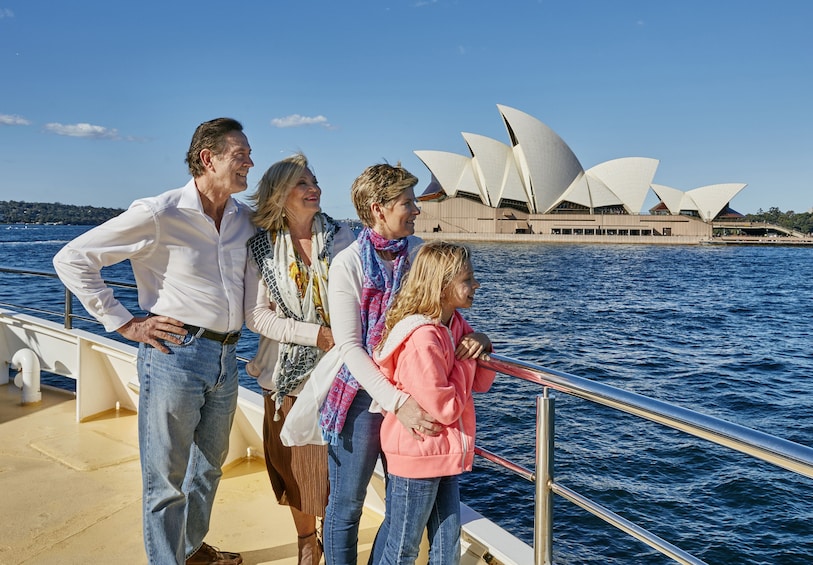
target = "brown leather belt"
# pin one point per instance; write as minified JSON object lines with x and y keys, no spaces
{"x":226,"y":338}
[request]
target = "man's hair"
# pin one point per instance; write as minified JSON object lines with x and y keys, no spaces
{"x":209,"y":135}
{"x":423,"y":288}
{"x":273,"y":189}
{"x":379,"y":184}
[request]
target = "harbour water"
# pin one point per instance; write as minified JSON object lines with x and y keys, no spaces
{"x":724,"y":330}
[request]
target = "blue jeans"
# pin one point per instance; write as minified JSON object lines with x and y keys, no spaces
{"x":186,"y":406}
{"x":417,"y":504}
{"x":351,"y":463}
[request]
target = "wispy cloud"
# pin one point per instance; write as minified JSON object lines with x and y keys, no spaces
{"x":82,"y":130}
{"x":11,"y":120}
{"x":295,"y":121}
{"x":6,"y":13}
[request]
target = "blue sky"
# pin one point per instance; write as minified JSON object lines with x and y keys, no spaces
{"x":99,"y":99}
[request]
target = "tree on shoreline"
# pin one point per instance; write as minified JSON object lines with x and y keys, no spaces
{"x":17,"y":212}
{"x":802,"y":222}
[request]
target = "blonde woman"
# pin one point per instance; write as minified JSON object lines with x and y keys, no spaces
{"x":286,"y":303}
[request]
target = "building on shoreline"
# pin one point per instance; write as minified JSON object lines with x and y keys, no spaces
{"x":536,"y":189}
{"x":462,"y":218}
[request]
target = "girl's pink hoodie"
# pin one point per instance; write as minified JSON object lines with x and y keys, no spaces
{"x":418,"y":357}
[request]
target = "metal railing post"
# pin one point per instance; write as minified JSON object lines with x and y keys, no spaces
{"x":543,"y":508}
{"x":68,"y":309}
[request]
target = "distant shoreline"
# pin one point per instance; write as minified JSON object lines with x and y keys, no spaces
{"x":559,"y":239}
{"x":614,"y":239}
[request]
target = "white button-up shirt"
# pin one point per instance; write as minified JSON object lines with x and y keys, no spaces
{"x":184,"y":268}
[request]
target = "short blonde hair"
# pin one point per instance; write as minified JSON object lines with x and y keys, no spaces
{"x":422,"y":290}
{"x":379,"y":184}
{"x":273,"y":189}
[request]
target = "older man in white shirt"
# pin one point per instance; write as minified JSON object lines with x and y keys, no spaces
{"x":187,"y":248}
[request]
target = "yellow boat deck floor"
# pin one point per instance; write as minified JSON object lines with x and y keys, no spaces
{"x":71,"y":492}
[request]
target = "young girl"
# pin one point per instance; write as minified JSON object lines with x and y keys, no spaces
{"x":417,"y":353}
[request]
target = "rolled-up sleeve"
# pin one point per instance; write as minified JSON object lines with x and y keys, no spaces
{"x":80,"y":262}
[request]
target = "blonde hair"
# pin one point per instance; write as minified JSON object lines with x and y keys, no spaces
{"x":379,"y":184}
{"x":423,"y":288}
{"x":273,"y":189}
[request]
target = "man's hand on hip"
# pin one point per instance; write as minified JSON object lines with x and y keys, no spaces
{"x":150,"y":329}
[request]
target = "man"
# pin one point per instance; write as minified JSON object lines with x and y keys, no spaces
{"x":187,"y":248}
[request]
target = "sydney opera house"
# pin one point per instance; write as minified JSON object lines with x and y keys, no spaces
{"x":536,"y":188}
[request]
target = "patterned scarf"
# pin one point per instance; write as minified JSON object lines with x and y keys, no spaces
{"x":299,"y":292}
{"x":378,"y":289}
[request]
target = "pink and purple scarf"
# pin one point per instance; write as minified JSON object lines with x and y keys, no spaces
{"x":379,"y":287}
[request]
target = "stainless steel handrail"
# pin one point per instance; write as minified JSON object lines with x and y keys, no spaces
{"x":780,"y":452}
{"x":67,"y":314}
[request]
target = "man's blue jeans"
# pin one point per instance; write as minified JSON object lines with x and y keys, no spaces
{"x":417,"y":504}
{"x":350,"y":466}
{"x":186,"y":406}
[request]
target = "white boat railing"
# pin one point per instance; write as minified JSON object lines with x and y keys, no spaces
{"x":777,"y":451}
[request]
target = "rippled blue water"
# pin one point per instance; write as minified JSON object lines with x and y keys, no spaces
{"x":722,"y":330}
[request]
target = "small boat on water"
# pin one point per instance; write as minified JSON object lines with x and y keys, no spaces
{"x":70,"y":474}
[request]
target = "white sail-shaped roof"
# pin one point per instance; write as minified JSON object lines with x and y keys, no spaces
{"x":452,"y":171}
{"x":711,"y":199}
{"x":495,"y":169}
{"x":600,"y":194}
{"x":539,"y":169}
{"x":671,"y":197}
{"x":549,"y":164}
{"x":706,"y":201}
{"x":578,"y":192}
{"x":628,"y":178}
{"x":688,"y":205}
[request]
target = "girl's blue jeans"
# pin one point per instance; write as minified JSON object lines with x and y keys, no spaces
{"x":415,"y":505}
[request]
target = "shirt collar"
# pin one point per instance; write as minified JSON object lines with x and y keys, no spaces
{"x":190,"y":199}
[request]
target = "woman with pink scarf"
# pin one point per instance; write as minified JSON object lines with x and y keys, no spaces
{"x":364,"y":279}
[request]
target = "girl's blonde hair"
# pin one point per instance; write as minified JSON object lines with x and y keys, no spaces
{"x":423,"y":287}
{"x":272,"y":192}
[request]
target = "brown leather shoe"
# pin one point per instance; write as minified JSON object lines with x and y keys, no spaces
{"x":208,"y":555}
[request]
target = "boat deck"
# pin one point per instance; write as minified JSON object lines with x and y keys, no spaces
{"x":71,"y":492}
